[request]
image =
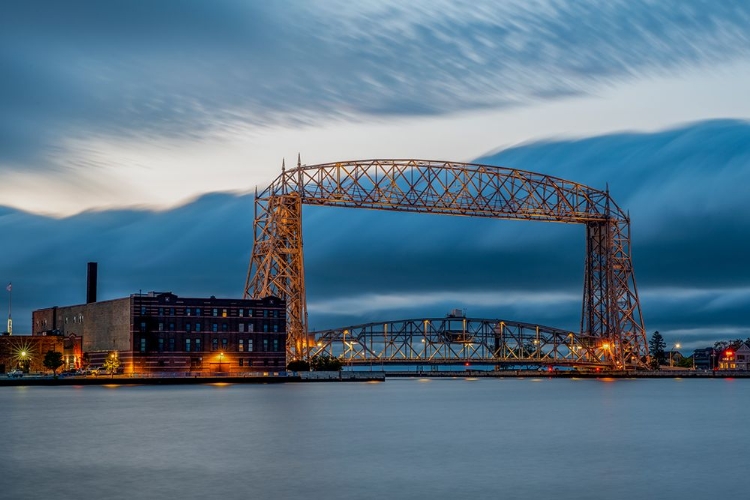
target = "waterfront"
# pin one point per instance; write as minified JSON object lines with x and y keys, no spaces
{"x":405,"y":438}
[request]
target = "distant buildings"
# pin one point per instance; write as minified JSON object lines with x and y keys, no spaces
{"x":157,"y":333}
{"x":735,"y":358}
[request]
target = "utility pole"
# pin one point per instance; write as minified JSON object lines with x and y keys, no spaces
{"x":10,"y":308}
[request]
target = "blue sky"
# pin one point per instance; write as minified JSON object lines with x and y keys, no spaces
{"x":130,"y":112}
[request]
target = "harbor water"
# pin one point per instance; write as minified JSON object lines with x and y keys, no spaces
{"x":508,"y":438}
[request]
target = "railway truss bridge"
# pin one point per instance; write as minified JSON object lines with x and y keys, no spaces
{"x":612,"y":333}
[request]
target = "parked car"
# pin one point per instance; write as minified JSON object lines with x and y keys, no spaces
{"x":15,"y":373}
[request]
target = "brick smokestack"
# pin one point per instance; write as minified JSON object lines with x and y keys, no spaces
{"x":91,"y":283}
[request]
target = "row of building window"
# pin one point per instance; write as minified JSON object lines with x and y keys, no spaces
{"x":195,"y":345}
{"x":218,"y":312}
{"x":250,"y":327}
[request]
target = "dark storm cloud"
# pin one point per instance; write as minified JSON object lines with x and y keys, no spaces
{"x":76,"y":68}
{"x":685,"y":190}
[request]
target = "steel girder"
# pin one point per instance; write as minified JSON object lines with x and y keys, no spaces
{"x":611,"y":310}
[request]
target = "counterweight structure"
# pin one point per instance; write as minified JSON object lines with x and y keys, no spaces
{"x":611,"y":310}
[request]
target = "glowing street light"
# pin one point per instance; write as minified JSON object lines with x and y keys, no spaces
{"x":676,"y":346}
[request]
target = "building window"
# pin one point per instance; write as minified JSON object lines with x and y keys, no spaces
{"x":143,"y":344}
{"x":214,"y":344}
{"x":224,"y":327}
{"x":249,"y":362}
{"x":275,"y":327}
{"x":187,"y":345}
{"x":216,"y":312}
{"x":223,"y":313}
{"x":171,"y":311}
{"x":276,"y":345}
{"x":249,"y":345}
{"x":171,"y":327}
{"x":171,"y":345}
{"x":265,"y":327}
{"x":161,"y":311}
{"x":242,"y":327}
{"x":197,"y":327}
{"x":241,"y":360}
{"x":242,"y":345}
{"x":187,"y":327}
{"x":161,"y":327}
{"x":250,"y":327}
{"x":143,"y":310}
{"x":161,"y":345}
{"x":143,"y":326}
{"x":197,"y":344}
{"x":214,"y":327}
{"x":265,"y":345}
{"x":239,"y":312}
{"x":224,"y":344}
{"x":187,"y":311}
{"x":197,"y":311}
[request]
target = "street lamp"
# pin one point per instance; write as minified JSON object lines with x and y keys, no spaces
{"x":676,"y":346}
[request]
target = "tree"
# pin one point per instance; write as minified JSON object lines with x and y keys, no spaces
{"x":298,"y":365}
{"x":53,"y":360}
{"x":656,"y":348}
{"x":112,"y":363}
{"x":326,"y":364}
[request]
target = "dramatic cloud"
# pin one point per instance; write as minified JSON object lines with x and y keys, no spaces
{"x":78,"y":69}
{"x":685,"y":190}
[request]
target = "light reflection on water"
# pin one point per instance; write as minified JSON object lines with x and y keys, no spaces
{"x":491,"y":438}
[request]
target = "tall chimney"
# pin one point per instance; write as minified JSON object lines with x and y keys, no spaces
{"x":91,"y":283}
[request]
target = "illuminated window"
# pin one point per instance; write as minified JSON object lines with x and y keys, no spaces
{"x":223,"y":313}
{"x":241,"y":345}
{"x":239,"y":312}
{"x":187,"y":345}
{"x":249,"y":345}
{"x":250,"y":327}
{"x":265,"y":345}
{"x":276,"y":345}
{"x":216,"y":312}
{"x":143,"y":344}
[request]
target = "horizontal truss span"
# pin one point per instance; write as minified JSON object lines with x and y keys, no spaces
{"x":460,"y":340}
{"x":611,"y":310}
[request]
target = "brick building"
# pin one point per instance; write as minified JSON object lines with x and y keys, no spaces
{"x":162,"y":333}
{"x":26,"y":352}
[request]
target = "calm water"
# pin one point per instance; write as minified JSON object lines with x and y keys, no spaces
{"x":490,"y":438}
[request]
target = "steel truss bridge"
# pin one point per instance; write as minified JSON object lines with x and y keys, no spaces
{"x":457,"y":339}
{"x":611,"y":313}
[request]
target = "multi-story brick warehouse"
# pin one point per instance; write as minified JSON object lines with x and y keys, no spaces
{"x":164,"y":333}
